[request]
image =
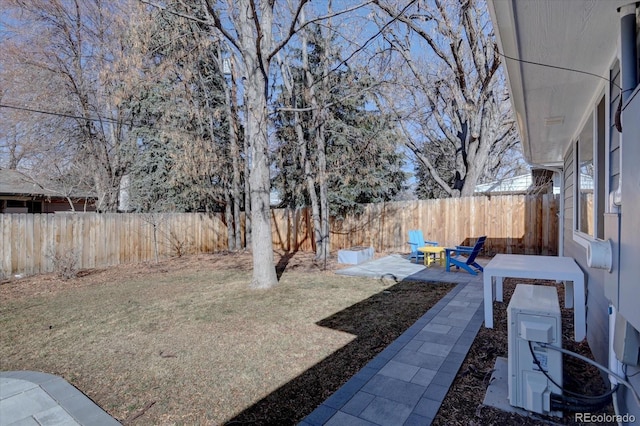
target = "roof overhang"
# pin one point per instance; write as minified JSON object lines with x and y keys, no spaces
{"x":16,"y":184}
{"x":552,"y":104}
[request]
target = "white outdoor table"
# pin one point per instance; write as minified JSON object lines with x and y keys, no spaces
{"x":537,"y":267}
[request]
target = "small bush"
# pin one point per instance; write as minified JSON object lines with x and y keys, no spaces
{"x":179,"y":245}
{"x":65,"y":264}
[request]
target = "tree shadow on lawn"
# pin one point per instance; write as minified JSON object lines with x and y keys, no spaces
{"x":376,"y":322}
{"x":284,"y":262}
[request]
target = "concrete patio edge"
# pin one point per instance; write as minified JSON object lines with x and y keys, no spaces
{"x":31,"y":397}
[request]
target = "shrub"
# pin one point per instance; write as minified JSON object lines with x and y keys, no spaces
{"x":65,"y":263}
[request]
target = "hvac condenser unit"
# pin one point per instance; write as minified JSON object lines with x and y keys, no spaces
{"x":533,"y":315}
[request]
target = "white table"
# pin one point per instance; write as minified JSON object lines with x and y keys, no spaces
{"x":537,"y":267}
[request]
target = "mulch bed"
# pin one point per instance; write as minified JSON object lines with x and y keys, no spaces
{"x":463,"y":404}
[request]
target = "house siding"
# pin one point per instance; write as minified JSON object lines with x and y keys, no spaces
{"x":614,"y":135}
{"x":597,"y":304}
{"x":630,"y":235}
{"x":568,"y":196}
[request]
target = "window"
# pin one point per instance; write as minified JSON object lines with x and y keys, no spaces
{"x":584,"y":179}
{"x":590,"y":177}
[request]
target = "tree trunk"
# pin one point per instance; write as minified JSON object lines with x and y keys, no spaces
{"x":230,"y":107}
{"x":305,"y":161}
{"x":228,"y":218}
{"x":235,"y":158}
{"x":256,"y":87}
{"x":321,"y":142}
{"x":247,"y":185}
{"x":323,"y":253}
{"x":321,"y":213}
{"x":264,"y":272}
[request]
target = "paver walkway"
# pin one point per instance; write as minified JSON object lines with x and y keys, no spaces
{"x":407,"y":382}
{"x":33,"y":398}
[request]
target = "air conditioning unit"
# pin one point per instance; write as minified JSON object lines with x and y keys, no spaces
{"x":533,"y":315}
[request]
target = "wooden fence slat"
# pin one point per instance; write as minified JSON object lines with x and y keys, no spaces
{"x":7,"y":249}
{"x":513,"y":224}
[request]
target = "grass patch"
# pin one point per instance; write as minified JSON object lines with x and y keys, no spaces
{"x":187,"y":342}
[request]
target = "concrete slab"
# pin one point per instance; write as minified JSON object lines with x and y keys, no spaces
{"x":497,"y":395}
{"x":344,"y":419}
{"x":10,"y":387}
{"x":24,"y":405}
{"x":358,"y":403}
{"x":394,"y":389}
{"x":386,"y":412}
{"x":54,"y":416}
{"x":424,"y":377}
{"x":399,"y":370}
{"x":35,"y":398}
{"x":394,"y":267}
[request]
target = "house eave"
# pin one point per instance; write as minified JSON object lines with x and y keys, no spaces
{"x":506,"y":38}
{"x":568,"y":47}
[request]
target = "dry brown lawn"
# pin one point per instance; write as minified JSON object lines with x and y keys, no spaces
{"x":186,"y":341}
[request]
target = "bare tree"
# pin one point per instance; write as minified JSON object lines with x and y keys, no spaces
{"x":451,"y":102}
{"x":227,"y":64}
{"x":311,"y":126}
{"x":29,"y":140}
{"x":82,"y":56}
{"x":250,"y":29}
{"x":258,"y":30}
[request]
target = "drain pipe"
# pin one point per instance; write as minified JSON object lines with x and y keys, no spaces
{"x":628,"y":53}
{"x":561,"y":215}
{"x":614,"y":364}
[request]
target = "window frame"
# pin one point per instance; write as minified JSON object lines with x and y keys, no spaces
{"x":600,"y":136}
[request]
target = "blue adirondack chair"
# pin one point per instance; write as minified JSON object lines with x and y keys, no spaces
{"x":465,"y":257}
{"x":416,"y":240}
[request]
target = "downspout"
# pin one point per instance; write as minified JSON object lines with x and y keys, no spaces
{"x":629,"y":81}
{"x":628,"y":70}
{"x":628,"y":53}
{"x":614,"y":364}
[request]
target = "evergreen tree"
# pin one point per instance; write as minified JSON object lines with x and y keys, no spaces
{"x":183,"y":161}
{"x":363,"y":164}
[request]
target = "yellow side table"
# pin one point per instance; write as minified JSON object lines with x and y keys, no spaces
{"x":430,"y":253}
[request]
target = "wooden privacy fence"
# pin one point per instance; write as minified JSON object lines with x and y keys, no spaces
{"x":33,"y":243}
{"x":525,"y":224}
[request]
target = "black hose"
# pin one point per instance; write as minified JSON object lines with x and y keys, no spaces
{"x":574,"y":402}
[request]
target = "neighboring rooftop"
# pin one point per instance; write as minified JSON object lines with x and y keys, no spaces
{"x":13,"y":182}
{"x":516,"y":184}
